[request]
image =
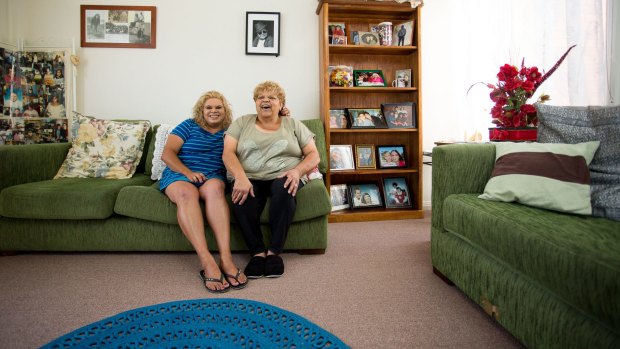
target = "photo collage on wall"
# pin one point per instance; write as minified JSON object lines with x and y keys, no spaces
{"x":33,"y":103}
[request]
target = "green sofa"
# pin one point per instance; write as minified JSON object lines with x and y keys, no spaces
{"x":551,"y":279}
{"x":38,"y":213}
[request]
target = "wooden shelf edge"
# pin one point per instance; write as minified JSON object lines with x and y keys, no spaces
{"x":362,"y":215}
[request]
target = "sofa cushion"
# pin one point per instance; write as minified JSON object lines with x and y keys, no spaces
{"x":546,"y":175}
{"x":316,"y":127}
{"x":576,"y":257}
{"x":312,"y":201}
{"x":104,"y":148}
{"x":65,"y":198}
{"x":581,"y":124}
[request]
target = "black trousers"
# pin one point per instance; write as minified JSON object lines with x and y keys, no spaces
{"x":281,"y":211}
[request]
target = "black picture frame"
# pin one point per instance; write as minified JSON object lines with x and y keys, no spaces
{"x":365,"y":195}
{"x":396,"y":193}
{"x":400,"y":115}
{"x":393,"y":162}
{"x":262,"y":27}
{"x":366,"y":118}
{"x":368,"y":78}
{"x":339,"y":195}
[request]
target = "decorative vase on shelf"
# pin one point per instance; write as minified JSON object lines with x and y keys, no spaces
{"x":511,"y":134}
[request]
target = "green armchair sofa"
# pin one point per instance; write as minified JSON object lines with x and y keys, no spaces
{"x":38,"y":213}
{"x":551,"y":279}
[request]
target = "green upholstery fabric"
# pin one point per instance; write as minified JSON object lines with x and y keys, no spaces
{"x":316,"y":126}
{"x":65,"y":198}
{"x":560,"y":247}
{"x":312,"y":200}
{"x":148,"y":166}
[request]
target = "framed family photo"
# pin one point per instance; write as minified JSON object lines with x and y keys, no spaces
{"x":364,"y":195}
{"x":338,"y":118}
{"x":262,"y":33}
{"x":368,"y":78}
{"x":391,"y":156}
{"x":365,"y":156}
{"x":339,"y":195}
{"x":396,"y":192}
{"x":341,"y":157}
{"x":118,"y":26}
{"x":399,"y":115}
{"x":366,"y":118}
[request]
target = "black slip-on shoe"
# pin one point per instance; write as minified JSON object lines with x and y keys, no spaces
{"x":255,"y":268}
{"x":274,"y":266}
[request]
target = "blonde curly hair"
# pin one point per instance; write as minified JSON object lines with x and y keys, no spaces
{"x":270,"y":86}
{"x":198,"y":114}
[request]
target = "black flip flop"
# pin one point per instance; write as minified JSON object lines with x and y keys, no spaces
{"x":239,"y":284}
{"x":220,"y":280}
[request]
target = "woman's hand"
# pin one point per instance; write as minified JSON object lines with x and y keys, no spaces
{"x":292,"y":180}
{"x":241,"y":189}
{"x":285,"y":112}
{"x":196,"y":177}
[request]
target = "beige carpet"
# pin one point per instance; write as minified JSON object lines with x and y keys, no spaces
{"x":374,"y":288}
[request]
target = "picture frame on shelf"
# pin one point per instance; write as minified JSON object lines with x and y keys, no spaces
{"x":339,"y":195}
{"x":355,"y":37}
{"x":340,"y":75}
{"x":391,"y":156}
{"x":336,"y":29}
{"x":369,"y":39}
{"x":400,"y":115}
{"x":118,"y":26}
{"x":365,"y":156}
{"x":364,"y":195}
{"x":396,"y":193}
{"x":402,"y":34}
{"x":363,"y":117}
{"x":402,"y":78}
{"x":341,"y":157}
{"x":262,"y":33}
{"x":338,"y":118}
{"x":339,"y":40}
{"x":368,"y":78}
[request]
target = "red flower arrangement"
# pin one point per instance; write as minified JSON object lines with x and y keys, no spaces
{"x":512,"y":91}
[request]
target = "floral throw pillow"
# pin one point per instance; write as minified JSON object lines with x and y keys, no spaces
{"x":104,"y":148}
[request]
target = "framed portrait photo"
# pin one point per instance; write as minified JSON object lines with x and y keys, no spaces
{"x":118,"y":26}
{"x":339,"y":195}
{"x":402,"y":34}
{"x":399,"y":115}
{"x":337,"y":33}
{"x":402,"y":78}
{"x":365,"y":156}
{"x":391,"y":156}
{"x":396,"y":192}
{"x":368,"y":38}
{"x":362,"y":118}
{"x":262,"y":33}
{"x":341,"y":157}
{"x":364,"y":195}
{"x":338,"y":118}
{"x":368,"y":78}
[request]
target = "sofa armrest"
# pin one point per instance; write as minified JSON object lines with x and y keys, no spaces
{"x":30,"y":163}
{"x":459,"y":169}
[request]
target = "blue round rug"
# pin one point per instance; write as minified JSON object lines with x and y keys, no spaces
{"x":202,"y":323}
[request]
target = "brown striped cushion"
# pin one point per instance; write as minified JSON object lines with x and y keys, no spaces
{"x":544,"y":175}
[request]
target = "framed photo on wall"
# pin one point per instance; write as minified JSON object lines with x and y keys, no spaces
{"x":341,"y":157}
{"x":262,"y":33}
{"x":339,"y":195}
{"x":396,"y":192}
{"x":365,"y":156}
{"x":399,"y":115}
{"x":391,"y":156}
{"x":364,"y":195}
{"x":118,"y":26}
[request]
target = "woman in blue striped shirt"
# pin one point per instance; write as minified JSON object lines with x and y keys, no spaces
{"x":193,"y":155}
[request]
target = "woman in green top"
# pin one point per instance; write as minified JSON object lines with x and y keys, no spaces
{"x":266,"y":155}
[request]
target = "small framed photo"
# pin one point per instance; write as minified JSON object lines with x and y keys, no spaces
{"x":336,"y":29}
{"x":118,"y":26}
{"x":365,"y":156}
{"x":391,"y":156}
{"x":341,"y":157}
{"x":262,"y":33}
{"x":355,"y":37}
{"x":339,"y":196}
{"x":396,"y":192}
{"x":368,"y":78}
{"x":402,"y":34}
{"x":399,"y":115}
{"x":339,"y":40}
{"x":364,"y":195}
{"x":369,"y":38}
{"x":402,"y":78}
{"x":340,"y":75}
{"x":338,"y":118}
{"x":363,"y":118}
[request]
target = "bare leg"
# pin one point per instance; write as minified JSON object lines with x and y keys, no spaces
{"x":185,"y":195}
{"x":218,"y":216}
